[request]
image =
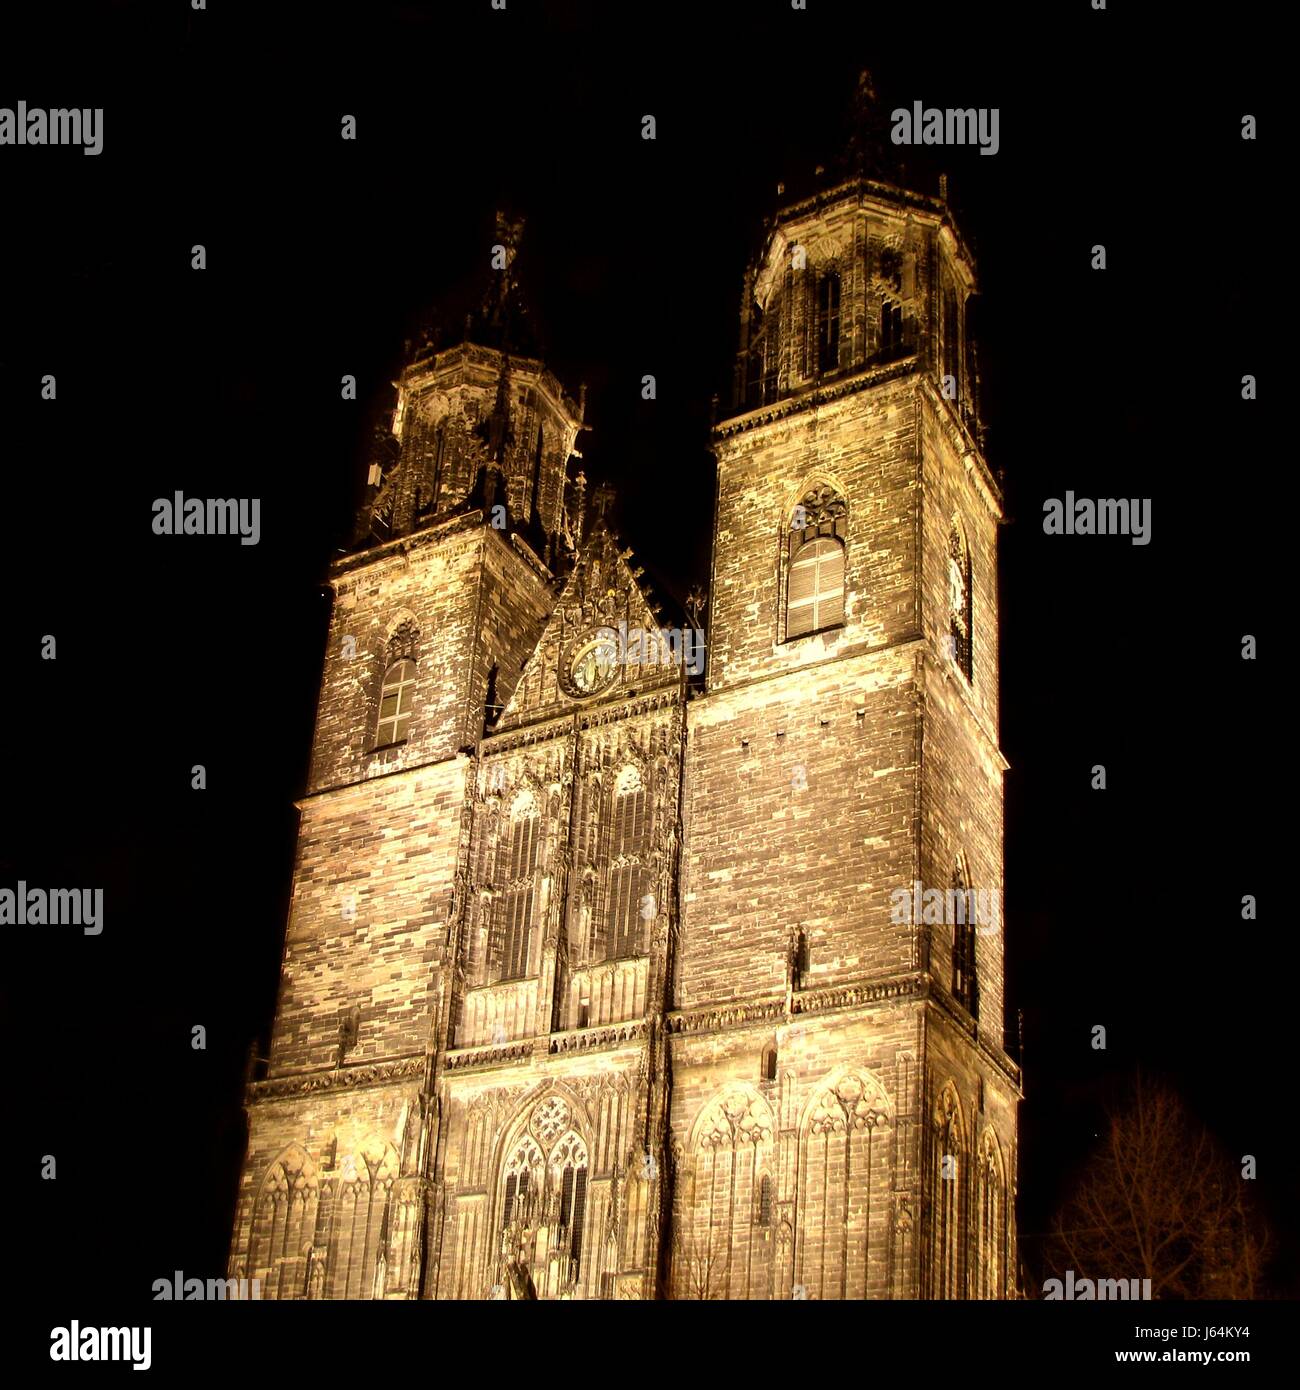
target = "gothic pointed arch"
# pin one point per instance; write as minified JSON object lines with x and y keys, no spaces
{"x":541,"y":1220}
{"x":402,"y":636}
{"x":948,"y":1179}
{"x":991,"y":1219}
{"x":360,"y":1219}
{"x":814,"y":560}
{"x":722,"y":1246}
{"x":284,"y":1224}
{"x":843,"y":1157}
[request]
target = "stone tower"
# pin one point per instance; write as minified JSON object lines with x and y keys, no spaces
{"x":603,"y":980}
{"x":843,"y":1110}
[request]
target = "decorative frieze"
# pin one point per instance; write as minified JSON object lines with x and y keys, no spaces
{"x":336,"y":1079}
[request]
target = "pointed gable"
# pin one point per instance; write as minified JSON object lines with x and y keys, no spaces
{"x":603,"y":607}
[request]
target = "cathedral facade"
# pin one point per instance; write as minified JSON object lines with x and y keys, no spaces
{"x":612,"y":973}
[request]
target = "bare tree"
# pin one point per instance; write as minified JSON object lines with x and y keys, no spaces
{"x":1158,"y":1200}
{"x":700,"y":1271}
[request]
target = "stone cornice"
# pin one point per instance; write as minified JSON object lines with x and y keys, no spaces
{"x":602,"y":1039}
{"x":888,"y":197}
{"x":720,"y":1017}
{"x":666,"y":697}
{"x":854,"y":996}
{"x":823,"y":394}
{"x":335,"y":1079}
{"x":422,"y":374}
{"x":467,"y":524}
{"x":594,"y":1039}
{"x":511,"y":1054}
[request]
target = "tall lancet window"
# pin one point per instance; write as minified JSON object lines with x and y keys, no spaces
{"x":284,"y":1225}
{"x":631,"y":905}
{"x":948,"y":1214}
{"x":568,"y":1165}
{"x":517,"y":877}
{"x":992,"y":1253}
{"x":523,"y":1185}
{"x":828,"y":321}
{"x":959,"y":599}
{"x":965,"y":981}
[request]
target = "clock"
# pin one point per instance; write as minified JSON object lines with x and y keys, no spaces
{"x":592,"y":663}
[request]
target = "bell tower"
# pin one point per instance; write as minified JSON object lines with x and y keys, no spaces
{"x":838,"y":1053}
{"x":437,"y":606}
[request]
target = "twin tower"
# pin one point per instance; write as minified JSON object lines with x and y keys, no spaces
{"x":603,"y":979}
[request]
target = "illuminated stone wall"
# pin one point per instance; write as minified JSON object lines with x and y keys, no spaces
{"x":604,"y":983}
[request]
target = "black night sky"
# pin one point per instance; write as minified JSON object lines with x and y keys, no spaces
{"x":222,"y":128}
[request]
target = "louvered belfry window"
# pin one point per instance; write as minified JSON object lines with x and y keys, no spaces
{"x":629,"y":880}
{"x":815,"y":577}
{"x":517,"y":895}
{"x":816,"y":588}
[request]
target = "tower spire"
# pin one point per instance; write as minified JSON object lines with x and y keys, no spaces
{"x":867,"y":150}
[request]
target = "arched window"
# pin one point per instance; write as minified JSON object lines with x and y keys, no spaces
{"x":965,"y":981}
{"x":395,"y":702}
{"x":768,"y":1069}
{"x":284,"y":1225}
{"x":518,"y":865}
{"x":630,"y":905}
{"x":544,"y":1196}
{"x":816,"y":594}
{"x":990,"y":1275}
{"x":959,"y":598}
{"x":765,"y":1202}
{"x":360,"y":1220}
{"x":523,"y":1186}
{"x":828,"y":321}
{"x":949,"y":1154}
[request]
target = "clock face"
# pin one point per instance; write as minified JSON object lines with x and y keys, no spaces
{"x":594,"y":662}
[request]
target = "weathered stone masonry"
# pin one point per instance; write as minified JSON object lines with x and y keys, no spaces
{"x":592,"y":983}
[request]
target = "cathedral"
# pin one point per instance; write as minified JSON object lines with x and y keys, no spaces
{"x":596,"y":982}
